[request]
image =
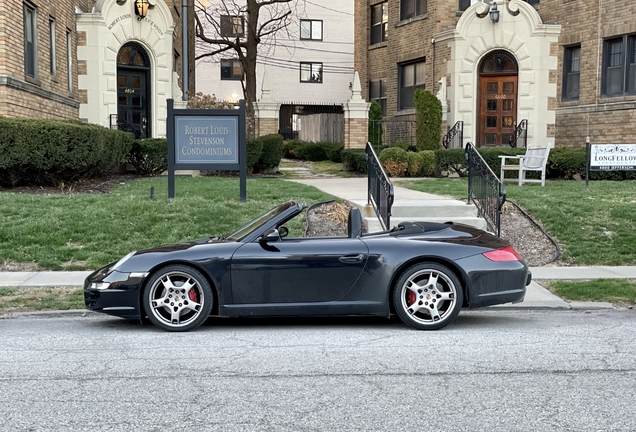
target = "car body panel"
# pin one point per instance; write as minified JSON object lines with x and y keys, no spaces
{"x":315,"y":276}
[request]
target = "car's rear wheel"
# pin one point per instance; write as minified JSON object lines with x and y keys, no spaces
{"x":178,"y":298}
{"x":428,"y":296}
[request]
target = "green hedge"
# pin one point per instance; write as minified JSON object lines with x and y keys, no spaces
{"x":429,"y":120}
{"x":149,"y":156}
{"x":254,"y":152}
{"x":354,"y":160}
{"x":313,"y":152}
{"x":271,"y":153}
{"x":53,"y":151}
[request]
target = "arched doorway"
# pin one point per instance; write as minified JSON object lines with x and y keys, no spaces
{"x":498,"y":78}
{"x":133,"y":92}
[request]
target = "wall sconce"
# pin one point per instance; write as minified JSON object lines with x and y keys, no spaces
{"x":494,"y":13}
{"x":141,"y":8}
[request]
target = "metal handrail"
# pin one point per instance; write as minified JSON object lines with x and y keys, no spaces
{"x":485,"y":189}
{"x":380,"y":188}
{"x":389,"y":132}
{"x":117,"y":123}
{"x":455,"y":137}
{"x":520,"y":129}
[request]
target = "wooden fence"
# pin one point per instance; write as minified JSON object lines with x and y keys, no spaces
{"x":322,"y":128}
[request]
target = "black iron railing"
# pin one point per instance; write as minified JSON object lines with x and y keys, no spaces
{"x":380,"y":188}
{"x":519,"y":138}
{"x":455,"y":137}
{"x":484,"y":189}
{"x":118,"y":122}
{"x":389,"y":132}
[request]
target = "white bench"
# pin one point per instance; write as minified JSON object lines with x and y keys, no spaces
{"x":535,"y":159}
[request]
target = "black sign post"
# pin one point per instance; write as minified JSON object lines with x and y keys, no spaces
{"x":608,"y":157}
{"x":203,"y":139}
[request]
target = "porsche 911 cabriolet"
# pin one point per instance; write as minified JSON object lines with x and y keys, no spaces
{"x":424,"y":272}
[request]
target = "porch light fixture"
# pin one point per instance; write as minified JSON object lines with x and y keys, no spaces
{"x":141,"y":8}
{"x":494,"y":13}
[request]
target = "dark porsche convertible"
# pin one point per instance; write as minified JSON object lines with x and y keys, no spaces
{"x":425,"y":272}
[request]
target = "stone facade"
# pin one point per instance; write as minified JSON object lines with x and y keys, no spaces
{"x":452,"y":42}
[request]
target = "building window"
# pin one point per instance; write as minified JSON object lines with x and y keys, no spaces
{"x":379,"y":22}
{"x":571,"y":73}
{"x":411,"y":78}
{"x":619,"y":66}
{"x":52,"y":59}
{"x":311,"y":30}
{"x":231,"y":69}
{"x":377,"y":92}
{"x":175,"y":61}
{"x":69,"y":59}
{"x":232,"y":26}
{"x":412,"y":8}
{"x":30,"y":44}
{"x":311,"y":72}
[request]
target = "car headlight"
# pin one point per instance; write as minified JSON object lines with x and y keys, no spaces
{"x":123,"y":260}
{"x":100,"y":285}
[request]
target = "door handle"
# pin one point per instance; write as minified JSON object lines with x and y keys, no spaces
{"x":352,"y":259}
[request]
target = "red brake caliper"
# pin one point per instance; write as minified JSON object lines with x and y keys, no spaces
{"x":194,"y":296}
{"x":412,"y":298}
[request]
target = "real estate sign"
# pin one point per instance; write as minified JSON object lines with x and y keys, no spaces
{"x":612,"y":157}
{"x":206,"y":139}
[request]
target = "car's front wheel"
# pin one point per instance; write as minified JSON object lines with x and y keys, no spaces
{"x":428,"y":296}
{"x":178,"y":298}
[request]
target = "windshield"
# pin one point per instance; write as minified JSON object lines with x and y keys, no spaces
{"x":242,"y":232}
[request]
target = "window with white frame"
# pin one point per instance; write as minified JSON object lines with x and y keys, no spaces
{"x":619,"y":66}
{"x":231,"y":70}
{"x":412,"y":76}
{"x":571,"y":73}
{"x":377,"y":92}
{"x":310,"y":72}
{"x":69,"y":59}
{"x":52,"y":57}
{"x":412,"y":8}
{"x":379,"y":22}
{"x":311,"y":30}
{"x":30,"y":41}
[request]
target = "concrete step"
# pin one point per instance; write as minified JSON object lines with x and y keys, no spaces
{"x":423,"y":208}
{"x":372,"y":224}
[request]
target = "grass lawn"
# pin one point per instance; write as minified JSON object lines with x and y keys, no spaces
{"x":606,"y":290}
{"x":38,"y":299}
{"x":595,"y":227}
{"x":319,"y":168}
{"x":86,"y":231}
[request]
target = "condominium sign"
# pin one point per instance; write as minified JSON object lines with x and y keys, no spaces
{"x":202,"y":139}
{"x":612,"y":157}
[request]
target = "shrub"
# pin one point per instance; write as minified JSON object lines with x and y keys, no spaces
{"x":395,"y":161}
{"x":311,"y":152}
{"x":149,"y":156}
{"x":451,"y":160}
{"x":333,"y":151}
{"x":427,"y":163}
{"x":429,"y":120}
{"x":254,"y":151}
{"x":289,"y":148}
{"x":402,"y":144}
{"x":271,"y":153}
{"x":354,"y":160}
{"x":53,"y":151}
{"x":375,"y":127}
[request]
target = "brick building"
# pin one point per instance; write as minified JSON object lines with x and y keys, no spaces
{"x":106,"y":61}
{"x":568,"y":67}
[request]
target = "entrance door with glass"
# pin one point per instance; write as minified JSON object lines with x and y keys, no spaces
{"x":133,"y":94}
{"x":497,"y":110}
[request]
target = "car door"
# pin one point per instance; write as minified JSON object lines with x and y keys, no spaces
{"x":296,"y":270}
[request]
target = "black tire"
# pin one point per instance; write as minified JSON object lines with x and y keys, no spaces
{"x":178,"y":298}
{"x":425,"y":304}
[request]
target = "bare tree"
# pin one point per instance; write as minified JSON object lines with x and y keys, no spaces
{"x":241,"y":26}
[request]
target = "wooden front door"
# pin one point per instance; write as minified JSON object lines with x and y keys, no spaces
{"x":497,"y":110}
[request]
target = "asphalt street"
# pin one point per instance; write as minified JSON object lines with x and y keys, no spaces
{"x":502,"y":370}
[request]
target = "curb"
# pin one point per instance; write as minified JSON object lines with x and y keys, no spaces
{"x":82,"y":313}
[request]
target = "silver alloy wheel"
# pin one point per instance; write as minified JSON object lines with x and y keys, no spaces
{"x":428,"y":296}
{"x":176,"y":299}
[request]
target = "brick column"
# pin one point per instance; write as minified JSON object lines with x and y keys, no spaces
{"x":356,"y":118}
{"x":266,"y":110}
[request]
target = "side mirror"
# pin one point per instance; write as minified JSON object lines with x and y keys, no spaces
{"x":268,"y":236}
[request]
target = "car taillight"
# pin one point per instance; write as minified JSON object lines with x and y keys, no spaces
{"x":504,"y":254}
